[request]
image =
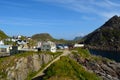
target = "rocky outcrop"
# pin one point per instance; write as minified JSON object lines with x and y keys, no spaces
{"x":24,"y":66}
{"x":107,"y":70}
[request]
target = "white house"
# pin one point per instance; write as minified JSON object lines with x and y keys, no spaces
{"x":48,"y":46}
{"x":4,"y":48}
{"x":78,"y":45}
{"x":39,"y":44}
{"x":1,"y":42}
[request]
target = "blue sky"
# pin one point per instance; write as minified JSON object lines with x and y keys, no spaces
{"x":61,"y":18}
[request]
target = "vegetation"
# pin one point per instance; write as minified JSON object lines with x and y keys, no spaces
{"x":83,"y":52}
{"x":42,"y":37}
{"x":46,"y":36}
{"x":67,"y":69}
{"x":3,"y":35}
{"x":10,"y":61}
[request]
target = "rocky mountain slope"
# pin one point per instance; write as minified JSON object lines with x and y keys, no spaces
{"x":102,"y":67}
{"x":77,"y":38}
{"x":107,"y":37}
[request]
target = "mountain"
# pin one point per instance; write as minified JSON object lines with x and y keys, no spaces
{"x":77,"y":38}
{"x":42,"y":36}
{"x":107,"y":37}
{"x":2,"y":35}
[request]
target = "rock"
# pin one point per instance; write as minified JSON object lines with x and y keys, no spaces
{"x":106,"y":70}
{"x":36,"y":62}
{"x":106,"y":37}
{"x":26,"y":65}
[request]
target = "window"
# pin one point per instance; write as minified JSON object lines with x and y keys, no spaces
{"x":3,"y":50}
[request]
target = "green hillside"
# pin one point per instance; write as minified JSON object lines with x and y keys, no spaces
{"x":68,"y":69}
{"x":46,"y":36}
{"x":42,"y":37}
{"x":2,"y":35}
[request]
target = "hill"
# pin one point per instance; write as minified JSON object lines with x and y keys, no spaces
{"x":68,"y":69}
{"x":81,"y":65}
{"x":46,"y":36}
{"x":107,"y":37}
{"x":42,"y":37}
{"x":2,"y":35}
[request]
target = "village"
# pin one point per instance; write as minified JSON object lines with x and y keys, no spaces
{"x":18,"y":44}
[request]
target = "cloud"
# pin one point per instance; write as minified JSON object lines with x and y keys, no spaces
{"x":113,"y":3}
{"x":104,"y":8}
{"x":20,"y":21}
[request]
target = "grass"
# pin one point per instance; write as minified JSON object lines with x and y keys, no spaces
{"x":51,"y":53}
{"x":67,"y":69}
{"x":31,"y":75}
{"x":84,"y":53}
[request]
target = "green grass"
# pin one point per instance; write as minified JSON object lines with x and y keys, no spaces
{"x":84,"y":53}
{"x":68,"y":69}
{"x":3,"y":35}
{"x":51,"y":53}
{"x":31,"y":75}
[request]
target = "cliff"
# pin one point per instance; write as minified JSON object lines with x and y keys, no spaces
{"x":22,"y":66}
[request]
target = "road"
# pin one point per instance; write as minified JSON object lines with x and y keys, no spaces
{"x":41,"y":73}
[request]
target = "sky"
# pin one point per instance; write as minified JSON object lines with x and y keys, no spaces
{"x":65,"y":19}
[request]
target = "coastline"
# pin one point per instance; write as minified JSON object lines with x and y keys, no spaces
{"x":102,"y":48}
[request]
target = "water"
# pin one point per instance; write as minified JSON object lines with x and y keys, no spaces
{"x":108,"y":54}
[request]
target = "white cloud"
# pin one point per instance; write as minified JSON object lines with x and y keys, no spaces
{"x":113,"y":3}
{"x":104,"y":8}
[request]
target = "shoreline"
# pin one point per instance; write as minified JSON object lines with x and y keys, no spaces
{"x":101,"y":48}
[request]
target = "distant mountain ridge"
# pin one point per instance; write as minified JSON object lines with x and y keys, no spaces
{"x":78,"y":38}
{"x":107,"y":37}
